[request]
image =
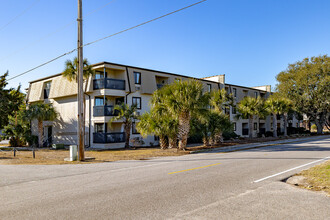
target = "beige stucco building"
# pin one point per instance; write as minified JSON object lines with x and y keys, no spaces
{"x":114,"y":84}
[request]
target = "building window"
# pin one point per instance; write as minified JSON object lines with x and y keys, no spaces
{"x":134,"y":130}
{"x":209,"y":87}
{"x":136,"y":101}
{"x":234,"y":126}
{"x":137,"y":78}
{"x":47,"y":90}
{"x":227,"y":110}
{"x":255,"y":126}
{"x":99,"y":101}
{"x":233,"y":109}
{"x":99,"y":75}
{"x":99,"y":128}
{"x":271,"y":126}
{"x":235,"y":92}
{"x":256,"y":94}
{"x":278,"y":117}
{"x":156,"y":138}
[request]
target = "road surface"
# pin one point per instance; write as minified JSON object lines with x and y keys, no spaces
{"x":212,"y":185}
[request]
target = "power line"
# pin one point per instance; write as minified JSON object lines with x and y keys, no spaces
{"x":54,"y":32}
{"x":103,"y":38}
{"x":120,"y":32}
{"x":52,"y":60}
{"x":19,"y":15}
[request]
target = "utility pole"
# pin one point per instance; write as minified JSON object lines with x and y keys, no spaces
{"x":80,"y":96}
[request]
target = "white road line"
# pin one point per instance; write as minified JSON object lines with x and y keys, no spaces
{"x":259,"y":180}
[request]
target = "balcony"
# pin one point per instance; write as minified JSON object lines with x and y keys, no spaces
{"x":107,"y":83}
{"x":104,"y":110}
{"x":159,"y":86}
{"x":105,"y":138}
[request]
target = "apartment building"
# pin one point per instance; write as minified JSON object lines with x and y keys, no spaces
{"x":114,"y":84}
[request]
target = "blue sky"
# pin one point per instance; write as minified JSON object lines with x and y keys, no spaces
{"x":249,"y":41}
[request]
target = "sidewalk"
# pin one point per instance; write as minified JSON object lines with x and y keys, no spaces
{"x":240,"y":147}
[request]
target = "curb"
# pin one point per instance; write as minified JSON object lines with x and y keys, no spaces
{"x":238,"y":148}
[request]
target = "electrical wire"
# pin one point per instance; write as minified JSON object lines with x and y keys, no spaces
{"x":120,"y":32}
{"x":54,"y":32}
{"x":103,"y":38}
{"x":20,"y":14}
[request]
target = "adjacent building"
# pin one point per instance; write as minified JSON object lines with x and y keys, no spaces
{"x":114,"y":84}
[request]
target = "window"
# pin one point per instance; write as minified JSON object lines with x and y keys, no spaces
{"x":99,"y":128}
{"x":156,"y":138}
{"x":227,"y":110}
{"x":137,"y":78}
{"x":134,"y":131}
{"x":233,"y":109}
{"x":136,"y":101}
{"x":235,"y":92}
{"x":99,"y":101}
{"x":256,"y":94}
{"x":278,"y":117}
{"x":99,"y":75}
{"x":234,"y":126}
{"x":255,"y":126}
{"x":120,"y":100}
{"x":209,"y":87}
{"x":47,"y":90}
{"x":271,"y":126}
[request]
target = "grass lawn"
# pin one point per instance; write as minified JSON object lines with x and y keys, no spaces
{"x":318,"y":177}
{"x":57,"y":156}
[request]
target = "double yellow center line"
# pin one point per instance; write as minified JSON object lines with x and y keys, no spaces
{"x":195,"y":168}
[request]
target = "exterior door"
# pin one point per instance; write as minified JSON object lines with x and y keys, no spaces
{"x":50,"y":135}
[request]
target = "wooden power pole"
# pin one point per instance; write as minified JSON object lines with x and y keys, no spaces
{"x":80,"y":96}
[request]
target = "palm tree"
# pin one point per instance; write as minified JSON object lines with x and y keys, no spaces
{"x":71,"y":71}
{"x":159,"y":124}
{"x":164,"y":117}
{"x":128,"y":114}
{"x":185,"y":99}
{"x":278,"y":105}
{"x":210,"y":125}
{"x":41,"y":112}
{"x":219,"y":100}
{"x":249,"y":107}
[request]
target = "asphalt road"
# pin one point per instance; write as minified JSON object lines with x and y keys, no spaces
{"x":238,"y":185}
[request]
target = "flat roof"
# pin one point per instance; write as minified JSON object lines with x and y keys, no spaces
{"x":158,"y":71}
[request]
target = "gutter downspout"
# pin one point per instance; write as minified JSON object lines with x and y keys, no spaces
{"x":129,"y":85}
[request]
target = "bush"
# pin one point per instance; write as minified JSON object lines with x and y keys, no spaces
{"x":227,"y":135}
{"x":58,"y":146}
{"x":314,"y":127}
{"x":16,"y":142}
{"x":32,"y":140}
{"x":196,"y":138}
{"x":269,"y":134}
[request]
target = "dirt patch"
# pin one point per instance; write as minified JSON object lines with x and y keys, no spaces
{"x":44,"y":157}
{"x":316,"y":178}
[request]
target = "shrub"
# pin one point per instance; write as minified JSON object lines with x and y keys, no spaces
{"x":227,"y":135}
{"x":269,"y":134}
{"x":32,"y":140}
{"x":16,"y":142}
